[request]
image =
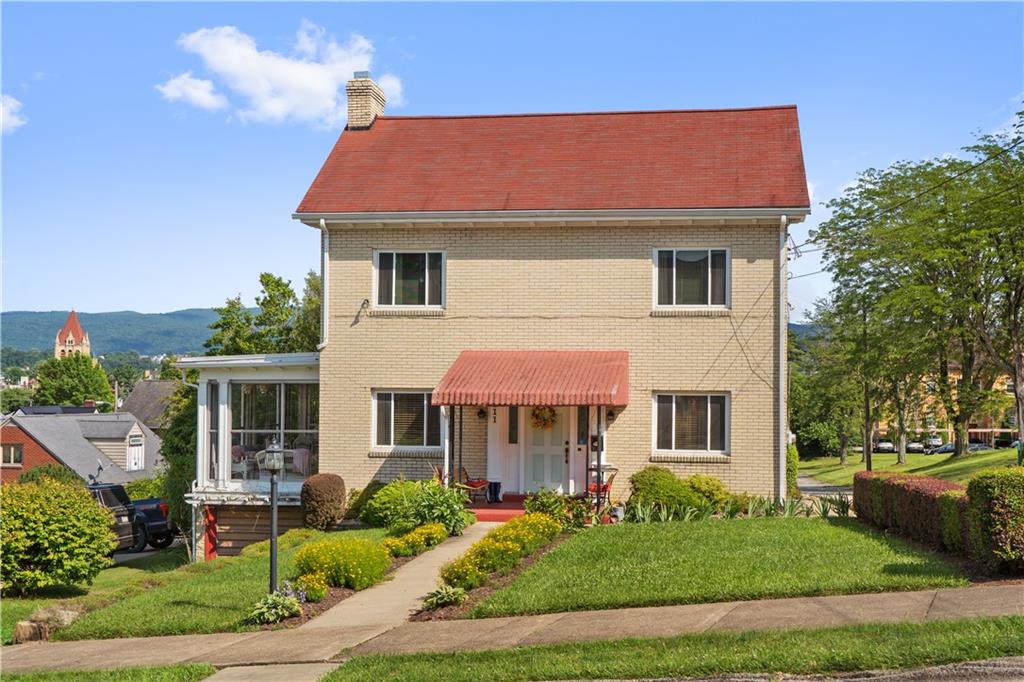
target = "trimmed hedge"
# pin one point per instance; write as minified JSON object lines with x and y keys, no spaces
{"x":984,"y":521}
{"x":792,"y":468}
{"x":660,"y":487}
{"x":996,"y":519}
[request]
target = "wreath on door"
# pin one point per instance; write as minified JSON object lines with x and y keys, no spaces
{"x":543,"y":418}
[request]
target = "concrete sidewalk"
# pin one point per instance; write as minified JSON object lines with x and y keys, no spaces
{"x":323,"y":644}
{"x":815,"y":488}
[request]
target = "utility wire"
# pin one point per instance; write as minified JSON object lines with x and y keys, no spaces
{"x":934,"y":187}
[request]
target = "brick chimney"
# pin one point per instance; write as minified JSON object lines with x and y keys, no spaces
{"x":365,"y":101}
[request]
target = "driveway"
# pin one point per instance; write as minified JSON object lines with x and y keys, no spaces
{"x":121,"y":557}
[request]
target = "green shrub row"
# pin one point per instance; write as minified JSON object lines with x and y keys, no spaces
{"x":500,"y":550}
{"x":984,"y":522}
{"x":403,"y":505}
{"x":416,"y":541}
{"x":354,"y":563}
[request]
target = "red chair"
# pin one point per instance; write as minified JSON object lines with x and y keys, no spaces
{"x":605,"y":492}
{"x":477,"y":486}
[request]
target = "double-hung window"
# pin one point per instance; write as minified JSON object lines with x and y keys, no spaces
{"x":409,"y":278}
{"x":691,"y":277}
{"x":12,"y":455}
{"x":691,"y":422}
{"x":406,"y":419}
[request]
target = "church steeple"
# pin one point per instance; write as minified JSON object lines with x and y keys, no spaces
{"x":71,"y":338}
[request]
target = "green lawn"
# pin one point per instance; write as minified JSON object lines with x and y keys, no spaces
{"x":116,"y":582}
{"x":198,"y":598}
{"x":864,"y":647}
{"x":828,"y":469}
{"x":717,"y":560}
{"x":171,"y":673}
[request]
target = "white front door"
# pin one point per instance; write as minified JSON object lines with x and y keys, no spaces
{"x":545,"y":456}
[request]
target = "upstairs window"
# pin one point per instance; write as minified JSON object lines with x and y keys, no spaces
{"x":406,"y":420}
{"x":691,"y":277}
{"x":12,"y":455}
{"x":410,"y":278}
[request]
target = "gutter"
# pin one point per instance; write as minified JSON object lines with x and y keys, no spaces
{"x":311,"y":219}
{"x":325,"y":255}
{"x":783,"y":342}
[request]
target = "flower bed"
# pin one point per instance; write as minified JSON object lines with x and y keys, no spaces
{"x":500,"y":550}
{"x":984,"y":521}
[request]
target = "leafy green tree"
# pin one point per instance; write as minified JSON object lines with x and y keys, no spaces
{"x":126,"y":377}
{"x":178,"y":449}
{"x":72,"y":380}
{"x":276,"y":309}
{"x":305,"y":335}
{"x":14,"y":397}
{"x":234,"y":331}
{"x":52,"y":472}
{"x":167,"y":371}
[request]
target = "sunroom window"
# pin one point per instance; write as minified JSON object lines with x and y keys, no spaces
{"x":692,"y":277}
{"x":285,"y":412}
{"x":410,"y":278}
{"x":406,"y":420}
{"x":692,"y":423}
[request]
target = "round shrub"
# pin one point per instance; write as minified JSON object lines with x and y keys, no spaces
{"x":393,"y":506}
{"x":711,"y":489}
{"x":660,"y":487}
{"x":53,"y":534}
{"x":323,"y":501}
{"x":354,"y":563}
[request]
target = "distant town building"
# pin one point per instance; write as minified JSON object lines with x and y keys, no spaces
{"x":71,"y":339}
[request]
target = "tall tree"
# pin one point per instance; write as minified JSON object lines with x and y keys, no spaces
{"x":13,"y":397}
{"x":273,"y":321}
{"x":73,"y":380}
{"x":233,"y":331}
{"x":305,"y":335}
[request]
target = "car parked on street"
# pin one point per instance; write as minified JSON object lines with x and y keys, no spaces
{"x":945,"y":449}
{"x":884,"y":446}
{"x":915,"y":446}
{"x":932,"y":442}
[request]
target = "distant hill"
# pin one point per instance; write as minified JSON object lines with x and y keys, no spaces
{"x":802,"y":330}
{"x":181,"y":331}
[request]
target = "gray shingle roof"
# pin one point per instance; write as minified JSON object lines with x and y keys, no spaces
{"x":148,"y":400}
{"x":62,"y":435}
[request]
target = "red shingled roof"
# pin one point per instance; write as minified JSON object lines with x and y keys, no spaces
{"x":536,"y":378}
{"x":701,"y":159}
{"x":71,"y":326}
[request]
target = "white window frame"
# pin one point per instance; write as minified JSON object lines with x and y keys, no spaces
{"x":12,"y":448}
{"x":710,"y":394}
{"x":691,"y":306}
{"x":394,"y":270}
{"x":130,"y":464}
{"x":426,"y":404}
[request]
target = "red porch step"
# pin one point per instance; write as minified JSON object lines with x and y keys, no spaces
{"x":510,"y":507}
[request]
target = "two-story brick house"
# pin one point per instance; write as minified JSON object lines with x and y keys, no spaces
{"x":515,"y":293}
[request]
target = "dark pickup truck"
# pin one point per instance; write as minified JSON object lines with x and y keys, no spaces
{"x":151,"y":524}
{"x":137,"y":523}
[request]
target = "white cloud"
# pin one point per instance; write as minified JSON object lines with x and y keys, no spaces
{"x":10,"y":114}
{"x":392,"y":87}
{"x":306,"y":86}
{"x":196,"y":91}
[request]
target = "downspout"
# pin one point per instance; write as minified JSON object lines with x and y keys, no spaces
{"x":783,"y":342}
{"x":325,"y":246}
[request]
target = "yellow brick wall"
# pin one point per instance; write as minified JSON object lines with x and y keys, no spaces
{"x":555,"y":288}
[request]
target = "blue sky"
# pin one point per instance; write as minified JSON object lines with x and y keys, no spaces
{"x":119,"y":194}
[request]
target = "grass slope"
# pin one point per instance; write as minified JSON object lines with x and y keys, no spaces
{"x":828,"y":469}
{"x":199,"y":598}
{"x":116,"y":582}
{"x":864,"y":647}
{"x":717,"y":560}
{"x":172,"y":673}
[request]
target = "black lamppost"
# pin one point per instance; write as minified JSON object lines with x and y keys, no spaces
{"x":274,"y":462}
